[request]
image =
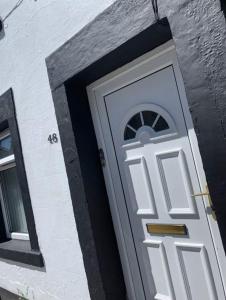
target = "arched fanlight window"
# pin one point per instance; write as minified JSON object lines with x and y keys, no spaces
{"x":145,"y":118}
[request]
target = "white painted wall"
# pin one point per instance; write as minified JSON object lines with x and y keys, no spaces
{"x":32,"y":32}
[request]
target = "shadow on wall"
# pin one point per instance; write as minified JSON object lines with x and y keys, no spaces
{"x":6,"y":295}
{"x":2,"y":32}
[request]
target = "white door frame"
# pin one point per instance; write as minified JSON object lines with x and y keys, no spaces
{"x":147,"y":64}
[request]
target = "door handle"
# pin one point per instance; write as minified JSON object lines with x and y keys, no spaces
{"x":201,"y":194}
{"x":206,"y":193}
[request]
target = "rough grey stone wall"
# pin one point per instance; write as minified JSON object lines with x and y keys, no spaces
{"x":199,"y":31}
{"x":120,"y":22}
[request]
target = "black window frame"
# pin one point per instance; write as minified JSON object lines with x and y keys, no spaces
{"x":26,"y":252}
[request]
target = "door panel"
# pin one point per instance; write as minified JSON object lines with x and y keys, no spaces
{"x":154,"y":178}
{"x":178,"y":200}
{"x":139,"y":186}
{"x":160,"y":270}
{"x":159,"y":178}
{"x":191,"y":255}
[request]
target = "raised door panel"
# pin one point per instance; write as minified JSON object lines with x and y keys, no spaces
{"x":176,"y":183}
{"x":159,"y":269}
{"x":196,"y":272}
{"x":140,"y":187}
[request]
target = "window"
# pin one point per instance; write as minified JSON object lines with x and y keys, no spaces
{"x":18,"y":237}
{"x":10,"y":193}
{"x":145,"y":118}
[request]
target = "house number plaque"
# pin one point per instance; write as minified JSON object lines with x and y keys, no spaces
{"x":52,"y":138}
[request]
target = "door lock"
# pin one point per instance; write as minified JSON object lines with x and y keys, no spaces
{"x":102,"y":157}
{"x":206,"y":193}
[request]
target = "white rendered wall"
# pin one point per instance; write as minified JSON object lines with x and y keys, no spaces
{"x":33,"y":31}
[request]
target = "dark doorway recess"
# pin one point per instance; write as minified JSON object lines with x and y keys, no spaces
{"x":95,"y":192}
{"x":223,"y":6}
{"x":87,"y":187}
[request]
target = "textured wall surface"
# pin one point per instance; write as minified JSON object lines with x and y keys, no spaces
{"x":33,"y":31}
{"x":199,"y":31}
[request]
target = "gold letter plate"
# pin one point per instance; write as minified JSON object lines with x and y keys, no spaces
{"x":174,"y":229}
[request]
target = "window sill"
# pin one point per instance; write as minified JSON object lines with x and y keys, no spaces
{"x":20,"y":251}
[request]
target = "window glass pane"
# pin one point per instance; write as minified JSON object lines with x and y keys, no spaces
{"x":13,"y":201}
{"x":161,"y":125}
{"x":6,"y":148}
{"x":135,"y":122}
{"x":149,"y":117}
{"x":129,"y":134}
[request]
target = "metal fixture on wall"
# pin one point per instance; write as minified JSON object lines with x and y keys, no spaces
{"x":3,"y":19}
{"x":1,"y":29}
{"x":1,"y":25}
{"x":156,"y":10}
{"x":12,"y":10}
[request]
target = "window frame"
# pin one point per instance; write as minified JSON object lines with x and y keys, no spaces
{"x":7,"y":163}
{"x":17,"y":247}
{"x":155,"y":133}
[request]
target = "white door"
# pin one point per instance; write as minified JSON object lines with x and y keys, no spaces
{"x":145,"y":138}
